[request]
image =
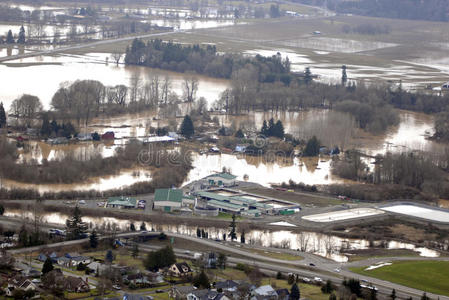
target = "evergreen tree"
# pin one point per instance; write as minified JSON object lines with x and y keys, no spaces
{"x":2,"y":210}
{"x":294,"y":292}
{"x":279,"y":130}
{"x":187,"y":128}
{"x":132,"y":227}
{"x":393,"y":294}
{"x":9,"y":38}
{"x":264,"y":129}
{"x":2,"y":116}
{"x":46,"y":127}
{"x":48,"y":266}
{"x":135,"y":251}
{"x":327,"y":288}
{"x":221,"y":260}
{"x":242,"y":237}
{"x":76,"y":228}
{"x":201,"y":281}
{"x":312,"y":147}
{"x":424,"y":296}
{"x":109,"y":256}
{"x":307,"y":76}
{"x":271,"y":127}
{"x":143,"y":227}
{"x":332,"y":297}
{"x":54,"y":127}
{"x":160,"y":259}
{"x":233,"y":234}
{"x":21,"y":39}
{"x":198,"y":232}
{"x":239,"y":134}
{"x":93,"y":239}
{"x":344,"y":76}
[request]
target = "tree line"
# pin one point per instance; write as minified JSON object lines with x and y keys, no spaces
{"x":204,"y":60}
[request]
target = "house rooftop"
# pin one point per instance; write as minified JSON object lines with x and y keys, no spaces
{"x":122,"y":201}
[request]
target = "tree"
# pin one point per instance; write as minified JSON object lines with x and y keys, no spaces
{"x":93,"y":239}
{"x":233,"y":234}
{"x":393,"y":294}
{"x":198,"y":232}
{"x":2,"y":210}
{"x":221,"y":260}
{"x":274,"y":11}
{"x":2,"y":116}
{"x":278,"y":130}
{"x":21,"y":39}
{"x":328,"y":287}
{"x":76,"y":228}
{"x":143,"y":226}
{"x":424,"y":296}
{"x":160,"y":259}
{"x":264,"y":129}
{"x":307,"y":76}
{"x":48,"y":266}
{"x":332,"y":296}
{"x":242,"y":237}
{"x":201,"y":281}
{"x":135,"y":251}
{"x":239,"y":134}
{"x":344,"y":76}
{"x":294,"y":292}
{"x":109,"y":256}
{"x":9,"y":38}
{"x":116,"y":56}
{"x":26,"y":108}
{"x":187,"y":128}
{"x":312,"y":147}
{"x":46,"y":127}
{"x":190,"y":88}
{"x":132,"y":227}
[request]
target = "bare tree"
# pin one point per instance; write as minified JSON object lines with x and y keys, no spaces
{"x":190,"y":87}
{"x":116,"y":56}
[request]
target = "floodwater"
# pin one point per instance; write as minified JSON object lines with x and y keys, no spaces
{"x":124,"y":179}
{"x":321,"y":244}
{"x":408,"y":135}
{"x":69,"y":68}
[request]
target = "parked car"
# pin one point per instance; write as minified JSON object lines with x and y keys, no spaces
{"x":117,"y":287}
{"x":82,"y":202}
{"x":312,"y":264}
{"x":317,"y":279}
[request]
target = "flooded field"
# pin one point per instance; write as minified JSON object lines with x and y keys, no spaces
{"x":68,"y":68}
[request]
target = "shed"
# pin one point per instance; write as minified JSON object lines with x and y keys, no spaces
{"x":168,"y":199}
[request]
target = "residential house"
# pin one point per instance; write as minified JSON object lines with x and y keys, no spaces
{"x":64,"y":261}
{"x":97,"y":268}
{"x":283,"y":294}
{"x":227,"y":286}
{"x":122,"y":202}
{"x":108,"y":136}
{"x":180,"y":269}
{"x":167,"y":199}
{"x":137,"y":279}
{"x":72,"y":255}
{"x":180,"y":292}
{"x":80,"y":260}
{"x":264,"y":292}
{"x":76,"y":284}
{"x":19,"y":283}
{"x":154,"y":277}
{"x":206,"y":295}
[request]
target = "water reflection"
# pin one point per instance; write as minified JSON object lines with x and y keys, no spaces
{"x":321,"y":244}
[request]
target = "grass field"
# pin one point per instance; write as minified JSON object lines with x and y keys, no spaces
{"x":277,"y":255}
{"x":429,"y":276}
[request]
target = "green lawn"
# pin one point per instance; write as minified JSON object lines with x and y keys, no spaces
{"x":429,"y":276}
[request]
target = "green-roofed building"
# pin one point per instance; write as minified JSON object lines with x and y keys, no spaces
{"x":122,"y":202}
{"x":221,"y":179}
{"x":168,"y":200}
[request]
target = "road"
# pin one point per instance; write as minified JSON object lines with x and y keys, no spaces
{"x":87,"y":45}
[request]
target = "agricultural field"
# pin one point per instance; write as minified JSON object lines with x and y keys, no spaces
{"x":430,"y":276}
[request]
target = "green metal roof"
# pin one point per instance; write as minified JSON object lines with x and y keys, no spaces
{"x":173,"y":195}
{"x":224,"y":204}
{"x":122,"y":201}
{"x":214,"y":196}
{"x":224,"y":176}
